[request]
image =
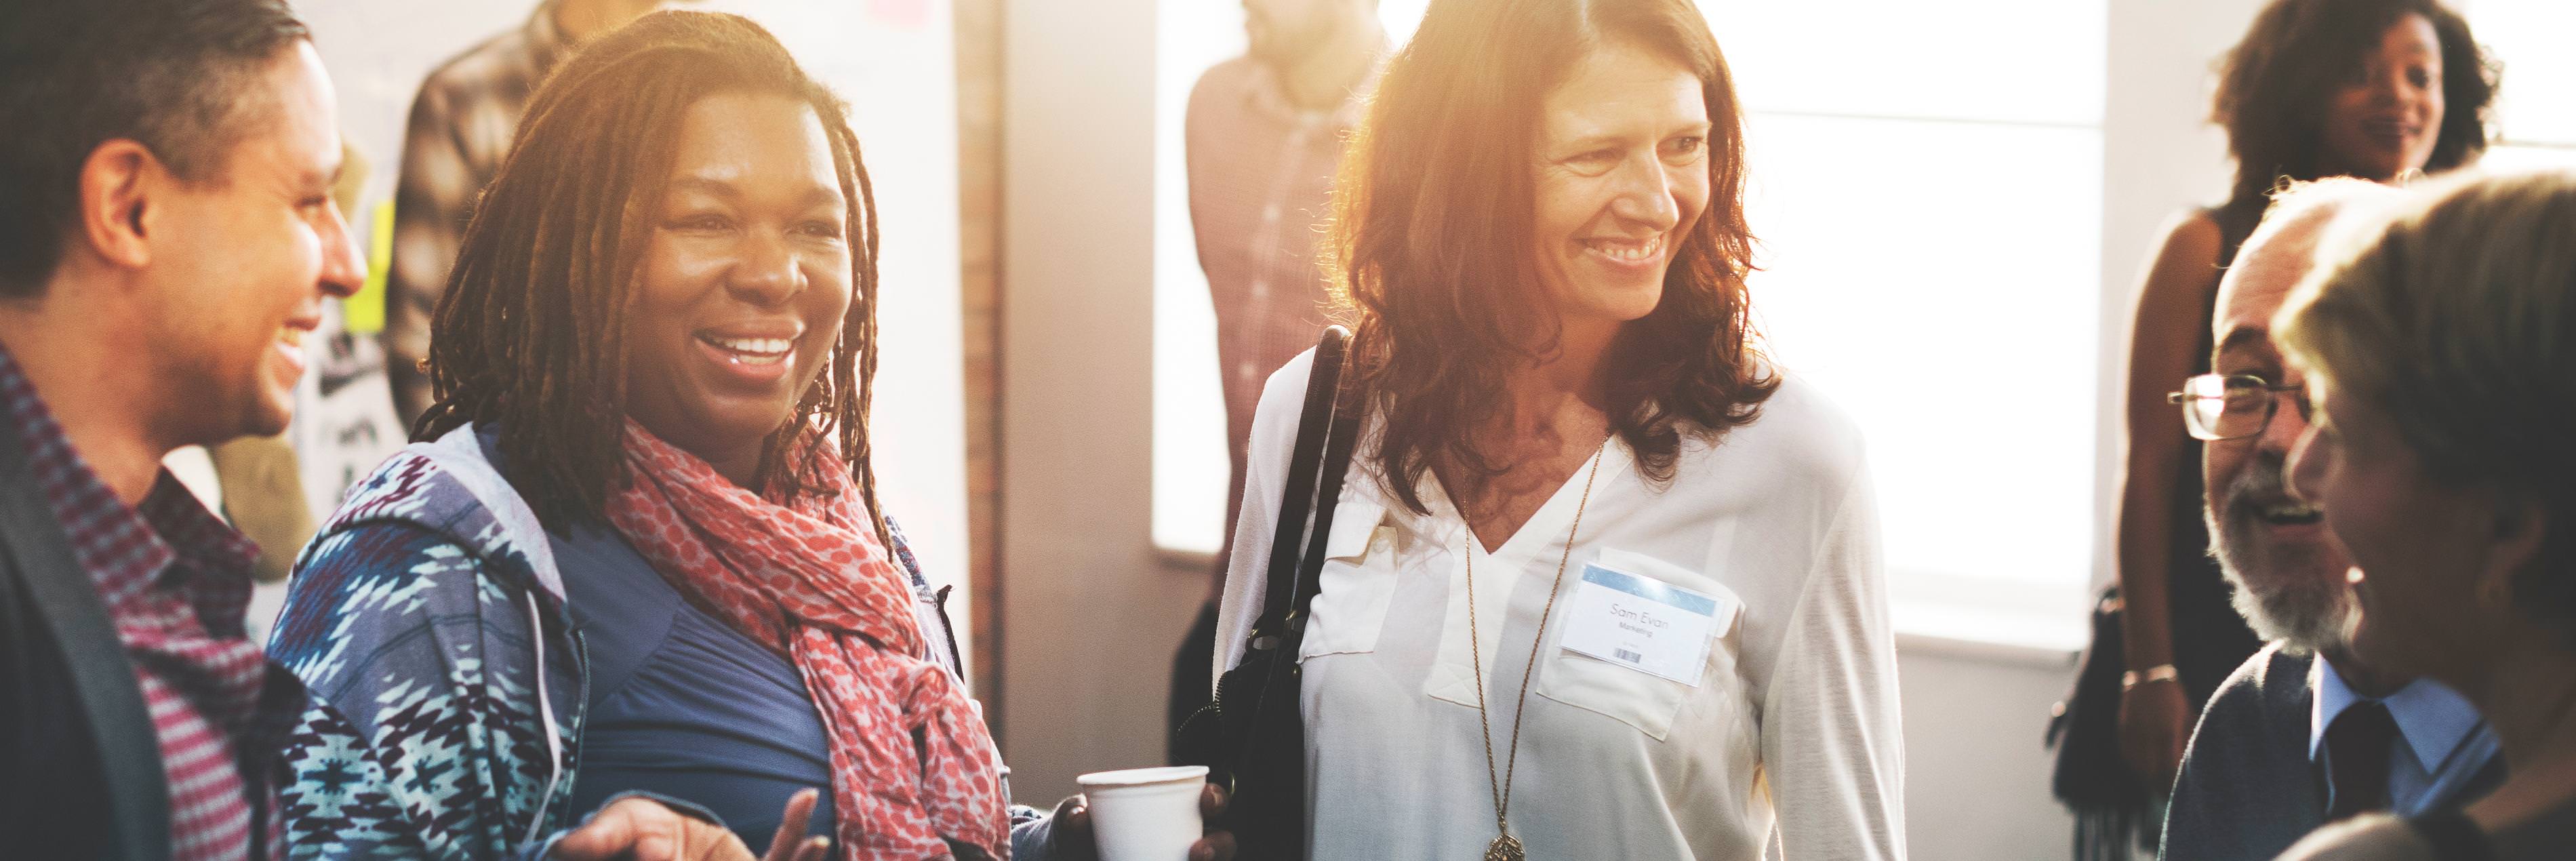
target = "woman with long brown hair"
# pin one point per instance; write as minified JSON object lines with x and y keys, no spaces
{"x":1603,"y":581}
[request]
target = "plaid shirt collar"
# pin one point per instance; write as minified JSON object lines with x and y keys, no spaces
{"x":125,"y":548}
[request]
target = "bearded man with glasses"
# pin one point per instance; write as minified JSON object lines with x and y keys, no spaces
{"x":2302,"y":734}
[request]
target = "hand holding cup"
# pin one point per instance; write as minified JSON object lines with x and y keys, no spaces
{"x":1143,"y":814}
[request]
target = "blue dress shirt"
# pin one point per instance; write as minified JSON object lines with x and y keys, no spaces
{"x":2442,"y":742}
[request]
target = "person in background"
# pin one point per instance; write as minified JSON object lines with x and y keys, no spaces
{"x":2440,"y":351}
{"x":1264,"y":138}
{"x":636,"y":556}
{"x":167,"y":238}
{"x":2375,"y":89}
{"x":2304,"y":706}
{"x":1540,"y":229}
{"x":461,"y":126}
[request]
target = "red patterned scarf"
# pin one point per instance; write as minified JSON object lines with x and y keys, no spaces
{"x":913,"y":766}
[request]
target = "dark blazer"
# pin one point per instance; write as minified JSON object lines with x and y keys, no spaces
{"x":2247,"y":790}
{"x":80,"y":763}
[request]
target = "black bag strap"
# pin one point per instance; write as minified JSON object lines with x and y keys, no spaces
{"x":1299,"y":502}
{"x":1328,"y":493}
{"x":1317,"y":463}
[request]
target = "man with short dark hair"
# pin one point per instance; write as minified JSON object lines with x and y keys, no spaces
{"x":2303,"y":733}
{"x":167,"y":238}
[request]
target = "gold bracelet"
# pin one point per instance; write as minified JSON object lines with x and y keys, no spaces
{"x":2157,"y":673}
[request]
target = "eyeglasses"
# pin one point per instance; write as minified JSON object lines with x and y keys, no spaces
{"x":2224,"y":406}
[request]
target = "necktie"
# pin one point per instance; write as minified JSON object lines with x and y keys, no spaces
{"x":2357,"y":748}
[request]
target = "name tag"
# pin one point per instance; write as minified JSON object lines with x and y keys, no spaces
{"x":1644,"y":624}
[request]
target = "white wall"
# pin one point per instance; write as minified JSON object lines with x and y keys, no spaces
{"x":1089,"y":619}
{"x":1976,"y":776}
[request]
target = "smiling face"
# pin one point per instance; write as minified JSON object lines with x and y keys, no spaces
{"x":2418,"y":543}
{"x":2384,"y":120}
{"x":2289,"y":574}
{"x":745,"y":279}
{"x":1622,"y":177}
{"x":242,"y":261}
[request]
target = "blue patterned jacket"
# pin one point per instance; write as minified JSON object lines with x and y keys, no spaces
{"x":419,"y":619}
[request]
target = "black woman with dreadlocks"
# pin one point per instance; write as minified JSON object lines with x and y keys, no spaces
{"x":633,"y":572}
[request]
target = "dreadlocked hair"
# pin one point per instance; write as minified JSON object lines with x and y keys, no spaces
{"x":531,"y":332}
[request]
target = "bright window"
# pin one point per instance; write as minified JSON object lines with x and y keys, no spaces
{"x":1927,"y":192}
{"x":1190,"y":465}
{"x":2533,"y":126}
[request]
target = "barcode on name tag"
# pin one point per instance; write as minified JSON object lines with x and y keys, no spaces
{"x":1626,"y":655}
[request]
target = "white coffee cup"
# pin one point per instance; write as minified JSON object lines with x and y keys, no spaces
{"x":1145,"y":814}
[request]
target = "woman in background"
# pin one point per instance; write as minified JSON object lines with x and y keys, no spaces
{"x":1541,"y":238}
{"x":2376,"y":89}
{"x":2440,"y":352}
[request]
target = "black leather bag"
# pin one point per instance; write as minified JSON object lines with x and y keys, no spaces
{"x":1251,"y":735}
{"x":2110,"y":801}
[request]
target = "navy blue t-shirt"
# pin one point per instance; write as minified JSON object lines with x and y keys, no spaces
{"x":681,"y":703}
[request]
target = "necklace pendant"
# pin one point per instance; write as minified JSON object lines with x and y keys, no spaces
{"x":1504,"y":848}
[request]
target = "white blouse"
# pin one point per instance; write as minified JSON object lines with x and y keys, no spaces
{"x":1793,"y":717}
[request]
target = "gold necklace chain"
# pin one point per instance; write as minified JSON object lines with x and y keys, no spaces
{"x":1506,"y":847}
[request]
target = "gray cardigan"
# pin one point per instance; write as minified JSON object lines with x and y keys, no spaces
{"x":2247,"y":789}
